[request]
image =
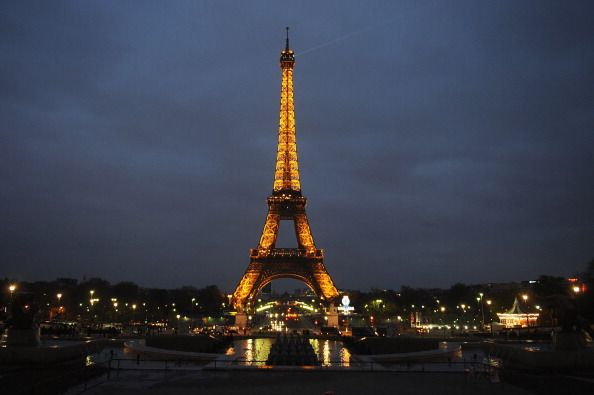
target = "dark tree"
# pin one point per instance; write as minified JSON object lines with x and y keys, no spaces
{"x":549,"y":286}
{"x":211,"y":299}
{"x":126,"y":291}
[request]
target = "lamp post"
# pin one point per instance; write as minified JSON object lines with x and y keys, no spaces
{"x":91,"y":300}
{"x":490,"y":315}
{"x":480,"y":300}
{"x":59,"y":296}
{"x":482,"y":310}
{"x":525,"y":297}
{"x":11,"y":288}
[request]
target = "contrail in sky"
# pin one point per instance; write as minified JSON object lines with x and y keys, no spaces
{"x":362,"y":30}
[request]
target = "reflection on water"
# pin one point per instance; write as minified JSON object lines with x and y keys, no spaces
{"x":252,"y":351}
{"x":345,"y":357}
{"x":255,"y":352}
{"x":331,"y":352}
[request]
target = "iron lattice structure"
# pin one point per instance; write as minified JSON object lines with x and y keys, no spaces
{"x":306,"y":262}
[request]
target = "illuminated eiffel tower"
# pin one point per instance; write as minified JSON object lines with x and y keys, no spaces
{"x":267,"y":263}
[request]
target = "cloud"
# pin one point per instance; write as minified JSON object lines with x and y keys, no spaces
{"x":437,"y":143}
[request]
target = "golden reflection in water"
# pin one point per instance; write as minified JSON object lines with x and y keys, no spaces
{"x":331,"y":352}
{"x":326,"y":353}
{"x":249,"y":350}
{"x":345,"y":357}
{"x":316,"y":346}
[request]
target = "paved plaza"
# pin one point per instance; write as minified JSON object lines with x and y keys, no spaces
{"x":300,"y":382}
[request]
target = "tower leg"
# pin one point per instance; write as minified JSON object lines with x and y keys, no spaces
{"x":332,"y":315}
{"x":241,"y":320}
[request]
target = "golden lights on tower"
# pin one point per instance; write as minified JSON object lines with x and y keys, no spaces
{"x":286,"y":176}
{"x":267,"y":262}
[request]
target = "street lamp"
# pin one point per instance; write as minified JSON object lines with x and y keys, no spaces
{"x":11,"y":288}
{"x":479,"y":299}
{"x":576,"y":289}
{"x":525,"y":297}
{"x":59,"y":297}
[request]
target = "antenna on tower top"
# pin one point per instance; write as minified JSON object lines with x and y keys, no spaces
{"x":287,"y":47}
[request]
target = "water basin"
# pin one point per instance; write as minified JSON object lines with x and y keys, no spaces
{"x":255,"y":351}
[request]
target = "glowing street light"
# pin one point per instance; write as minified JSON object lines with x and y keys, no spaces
{"x":576,"y":289}
{"x":525,"y":297}
{"x":479,"y":300}
{"x":11,"y":288}
{"x":91,"y":300}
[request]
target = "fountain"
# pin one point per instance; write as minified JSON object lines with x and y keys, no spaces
{"x":292,"y":350}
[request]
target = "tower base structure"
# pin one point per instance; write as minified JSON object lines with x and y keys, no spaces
{"x":241,"y":320}
{"x":332,"y":316}
{"x":284,"y":263}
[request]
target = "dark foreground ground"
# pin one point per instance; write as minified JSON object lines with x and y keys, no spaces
{"x":302,"y":382}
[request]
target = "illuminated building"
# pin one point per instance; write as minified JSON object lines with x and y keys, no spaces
{"x":515,"y":317}
{"x":267,"y":263}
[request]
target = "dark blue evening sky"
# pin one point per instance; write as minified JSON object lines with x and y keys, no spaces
{"x":438,"y":141}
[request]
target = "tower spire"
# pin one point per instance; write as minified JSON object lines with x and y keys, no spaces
{"x":287,"y":46}
{"x":286,"y":175}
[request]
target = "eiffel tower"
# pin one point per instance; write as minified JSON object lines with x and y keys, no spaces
{"x":267,"y":263}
